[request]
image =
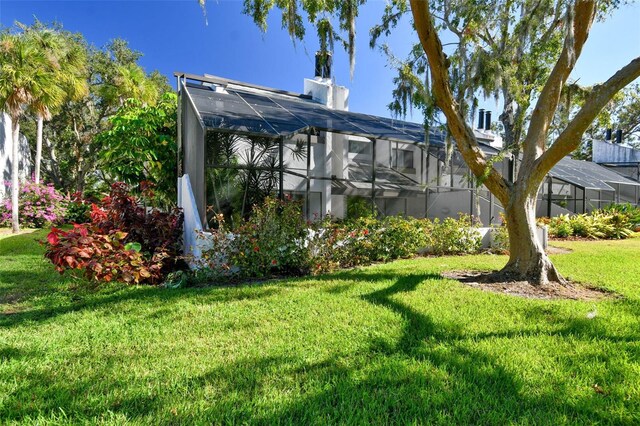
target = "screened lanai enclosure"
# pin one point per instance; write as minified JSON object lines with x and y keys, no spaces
{"x":240,"y":143}
{"x":574,"y":186}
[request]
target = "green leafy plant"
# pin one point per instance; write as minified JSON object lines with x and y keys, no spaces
{"x":400,"y":237}
{"x":269,"y":243}
{"x":358,"y":207}
{"x":609,"y":223}
{"x":586,"y":226}
{"x":613,"y":225}
{"x":500,"y":237}
{"x":560,"y":226}
{"x":141,"y":145}
{"x":629,"y":210}
{"x":78,"y":209}
{"x":452,"y":236}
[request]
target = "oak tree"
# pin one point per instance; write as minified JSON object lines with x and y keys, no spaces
{"x":532,"y":44}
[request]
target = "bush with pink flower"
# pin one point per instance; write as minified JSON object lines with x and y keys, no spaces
{"x":39,"y":205}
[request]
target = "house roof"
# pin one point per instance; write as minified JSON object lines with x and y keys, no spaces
{"x":280,"y":114}
{"x":588,"y":175}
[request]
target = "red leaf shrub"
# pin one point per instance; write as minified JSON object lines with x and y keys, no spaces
{"x":154,"y":230}
{"x":101,"y":257}
{"x":99,"y":249}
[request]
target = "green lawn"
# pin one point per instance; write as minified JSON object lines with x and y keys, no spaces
{"x":388,"y":344}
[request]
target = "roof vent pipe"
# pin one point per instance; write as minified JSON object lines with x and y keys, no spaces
{"x":481,"y":118}
{"x":487,"y":120}
{"x":323,"y":64}
{"x":618,"y":136}
{"x":607,"y":136}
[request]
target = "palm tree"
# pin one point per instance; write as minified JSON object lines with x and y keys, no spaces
{"x":23,"y":81}
{"x":67,"y":65}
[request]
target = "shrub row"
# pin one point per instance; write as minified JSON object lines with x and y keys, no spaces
{"x":275,"y":241}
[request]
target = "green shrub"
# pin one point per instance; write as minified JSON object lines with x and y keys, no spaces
{"x":358,"y":207}
{"x":560,"y":226}
{"x":631,"y":212}
{"x":452,"y":236}
{"x":599,"y":224}
{"x":614,"y":225}
{"x":78,"y":209}
{"x":500,"y":239}
{"x":270,"y":243}
{"x":366,"y":240}
{"x":586,"y":226}
{"x":400,"y":237}
{"x":325,"y":254}
{"x":276,"y":241}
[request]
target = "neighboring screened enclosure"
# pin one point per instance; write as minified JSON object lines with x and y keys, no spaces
{"x":575,"y":186}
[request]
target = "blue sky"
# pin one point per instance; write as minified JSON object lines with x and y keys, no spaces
{"x":173,"y":36}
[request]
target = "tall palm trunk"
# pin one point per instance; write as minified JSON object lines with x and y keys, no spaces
{"x":38,"y":148}
{"x":15,"y":184}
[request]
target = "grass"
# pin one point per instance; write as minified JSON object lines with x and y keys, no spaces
{"x":6,"y":232}
{"x":388,"y":344}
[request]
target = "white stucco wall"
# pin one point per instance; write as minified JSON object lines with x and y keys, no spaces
{"x":608,"y":152}
{"x":6,"y":144}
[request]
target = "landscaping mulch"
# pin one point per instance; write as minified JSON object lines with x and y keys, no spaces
{"x":552,"y":290}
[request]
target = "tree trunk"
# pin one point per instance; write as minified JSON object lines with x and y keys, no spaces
{"x":527,"y":258}
{"x":15,"y":183}
{"x":38,"y":148}
{"x":53,"y":166}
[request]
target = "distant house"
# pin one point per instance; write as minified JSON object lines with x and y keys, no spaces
{"x":616,"y":155}
{"x":239,"y":142}
{"x":6,"y":165}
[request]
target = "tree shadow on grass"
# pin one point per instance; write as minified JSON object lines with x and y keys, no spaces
{"x":120,"y":294}
{"x":430,"y":374}
{"x":454,"y":384}
{"x":31,"y":290}
{"x":42,"y":395}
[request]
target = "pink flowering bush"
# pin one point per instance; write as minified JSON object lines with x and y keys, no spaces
{"x":39,"y":205}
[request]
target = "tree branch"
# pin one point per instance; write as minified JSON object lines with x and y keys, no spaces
{"x":460,"y":130}
{"x":570,"y":137}
{"x":579,"y":23}
{"x":558,"y":18}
